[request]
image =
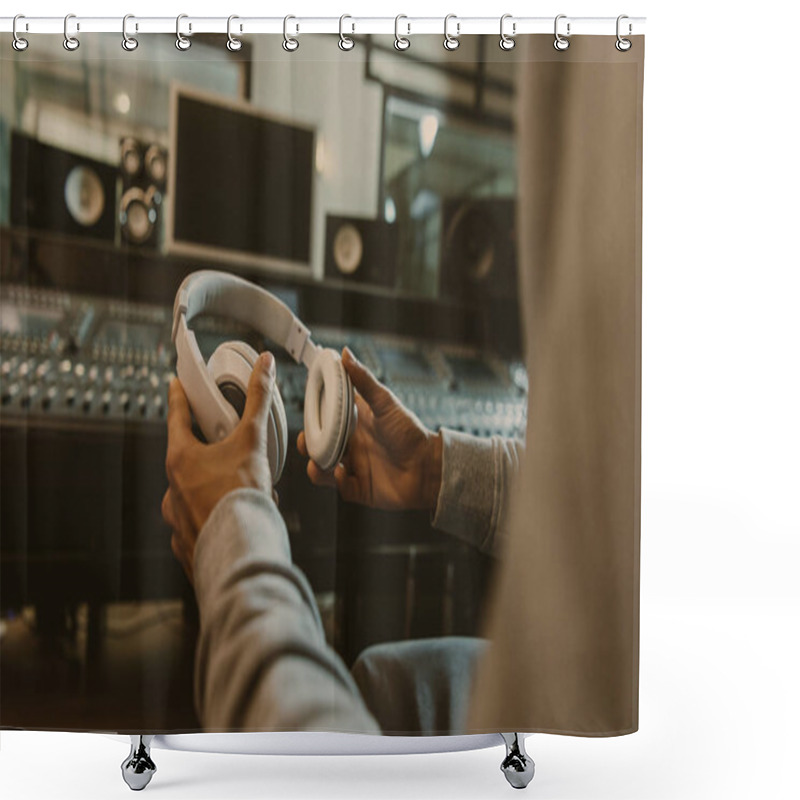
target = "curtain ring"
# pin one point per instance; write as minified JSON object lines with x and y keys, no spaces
{"x":345,"y":42}
{"x":451,"y":42}
{"x":401,"y":42}
{"x":507,"y":42}
{"x":561,"y":43}
{"x":181,"y":41}
{"x":233,"y":44}
{"x":290,"y":44}
{"x":623,"y":45}
{"x":71,"y":43}
{"x":129,"y":43}
{"x":17,"y":42}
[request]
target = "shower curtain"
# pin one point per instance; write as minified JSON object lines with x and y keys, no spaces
{"x":463,"y":228}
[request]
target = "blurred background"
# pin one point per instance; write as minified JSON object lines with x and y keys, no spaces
{"x":373,"y":191}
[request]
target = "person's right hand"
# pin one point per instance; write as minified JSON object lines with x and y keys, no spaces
{"x":201,"y":474}
{"x":392,"y":460}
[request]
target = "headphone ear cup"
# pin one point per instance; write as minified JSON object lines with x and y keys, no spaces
{"x":231,"y":366}
{"x":277,"y":437}
{"x":350,"y":411}
{"x":353,"y":421}
{"x":328,"y":410}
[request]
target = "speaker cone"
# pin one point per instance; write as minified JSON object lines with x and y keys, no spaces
{"x":83,"y":194}
{"x":137,"y":215}
{"x":155,"y":164}
{"x":471,"y":241}
{"x":348,"y":249}
{"x":130,"y":157}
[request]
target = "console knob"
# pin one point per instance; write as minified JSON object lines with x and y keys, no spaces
{"x":159,"y":404}
{"x":9,"y":393}
{"x":29,"y":396}
{"x":88,"y":399}
{"x":47,"y":400}
{"x":125,"y":401}
{"x":106,"y":400}
{"x":43,"y":368}
{"x":141,"y":401}
{"x":8,"y":366}
{"x":69,"y":396}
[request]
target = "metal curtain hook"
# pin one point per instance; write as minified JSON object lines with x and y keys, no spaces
{"x":507,"y":42}
{"x":129,"y":43}
{"x":560,"y":42}
{"x":345,"y":42}
{"x":17,"y":42}
{"x":233,"y":44}
{"x":451,"y":42}
{"x":290,"y":44}
{"x":401,"y":42}
{"x":70,"y":42}
{"x":181,"y":41}
{"x":623,"y":45}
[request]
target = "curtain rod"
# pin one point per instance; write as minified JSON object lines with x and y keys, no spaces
{"x":188,"y":25}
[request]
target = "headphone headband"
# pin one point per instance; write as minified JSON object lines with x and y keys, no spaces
{"x":329,"y":410}
{"x":233,"y":297}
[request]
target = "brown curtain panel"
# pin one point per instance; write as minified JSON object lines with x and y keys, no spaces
{"x":566,"y":602}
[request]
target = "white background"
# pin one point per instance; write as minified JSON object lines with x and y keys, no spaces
{"x":720,"y":674}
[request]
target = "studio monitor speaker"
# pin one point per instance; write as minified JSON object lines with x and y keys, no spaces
{"x":55,"y":190}
{"x":360,"y":250}
{"x":479,"y":249}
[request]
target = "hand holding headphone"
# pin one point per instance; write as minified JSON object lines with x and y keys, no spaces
{"x":216,"y":390}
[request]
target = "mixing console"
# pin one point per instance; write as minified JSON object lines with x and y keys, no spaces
{"x":68,"y":357}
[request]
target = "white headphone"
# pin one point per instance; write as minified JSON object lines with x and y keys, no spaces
{"x":216,"y":391}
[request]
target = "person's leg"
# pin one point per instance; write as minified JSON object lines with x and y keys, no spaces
{"x":419,"y":687}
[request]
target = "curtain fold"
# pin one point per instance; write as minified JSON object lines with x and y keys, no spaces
{"x":564,"y":618}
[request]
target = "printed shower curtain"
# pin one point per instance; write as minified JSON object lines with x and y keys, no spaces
{"x":463,"y":229}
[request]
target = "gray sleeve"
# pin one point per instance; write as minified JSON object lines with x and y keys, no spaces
{"x":477,"y":476}
{"x":262,"y":662}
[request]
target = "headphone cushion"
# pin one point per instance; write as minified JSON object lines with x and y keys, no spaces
{"x":328,"y":409}
{"x":277,"y":418}
{"x":231,"y":366}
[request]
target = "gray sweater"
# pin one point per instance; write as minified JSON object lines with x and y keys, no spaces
{"x":262,"y":662}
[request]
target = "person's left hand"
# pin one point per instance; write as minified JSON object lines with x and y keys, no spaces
{"x":200,"y":474}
